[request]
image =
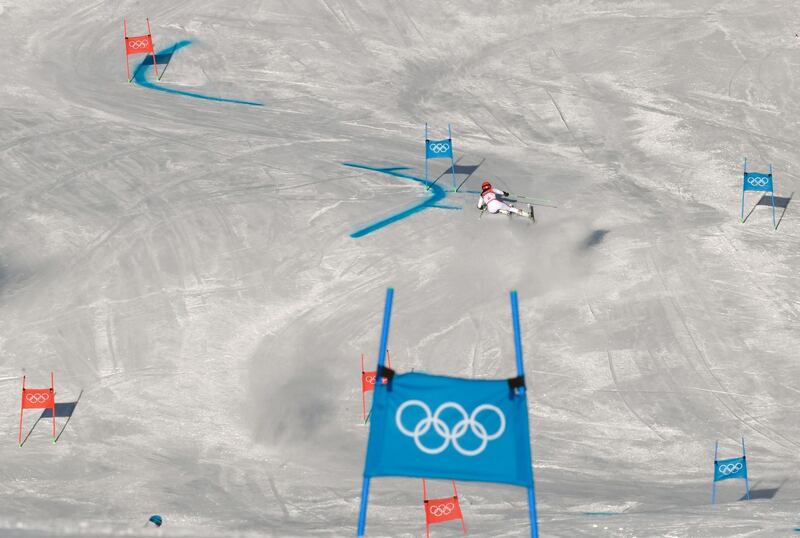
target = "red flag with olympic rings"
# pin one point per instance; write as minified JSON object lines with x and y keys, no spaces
{"x":38,"y":399}
{"x":441,"y":510}
{"x":368,"y":382}
{"x":140,"y":44}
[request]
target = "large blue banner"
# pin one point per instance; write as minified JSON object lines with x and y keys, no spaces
{"x":437,"y":149}
{"x":730,"y":468}
{"x":754,"y":181}
{"x":430,"y":426}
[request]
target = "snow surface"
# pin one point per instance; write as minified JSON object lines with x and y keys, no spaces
{"x":185,"y":266}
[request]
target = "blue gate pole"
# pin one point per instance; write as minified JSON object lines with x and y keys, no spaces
{"x":387,"y":315}
{"x":746,"y":481}
{"x":452,"y":162}
{"x":741,"y":218}
{"x":521,"y":372}
{"x":517,"y":336}
{"x":362,"y":510}
{"x":772,"y":182}
{"x":426,"y":155}
{"x":714,"y":477}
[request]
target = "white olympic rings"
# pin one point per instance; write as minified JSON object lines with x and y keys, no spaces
{"x":758,"y":181}
{"x":444,"y":431}
{"x":138,"y":44}
{"x":370,"y":379}
{"x":439,"y":510}
{"x":439,"y":147}
{"x":730,"y":468}
{"x":37,"y":397}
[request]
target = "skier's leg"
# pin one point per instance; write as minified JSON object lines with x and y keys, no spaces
{"x":502,"y":207}
{"x":495,"y":206}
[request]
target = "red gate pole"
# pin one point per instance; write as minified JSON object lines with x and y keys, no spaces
{"x":53,"y":400}
{"x":153,"y":49}
{"x":363,"y":399}
{"x":425,"y":506}
{"x":455,"y":496}
{"x":21,"y":409}
{"x":125,"y":33}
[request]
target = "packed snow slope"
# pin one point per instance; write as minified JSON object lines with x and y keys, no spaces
{"x":184,"y":263}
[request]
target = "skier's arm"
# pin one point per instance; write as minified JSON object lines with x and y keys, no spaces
{"x":480,"y":202}
{"x":501,"y":193}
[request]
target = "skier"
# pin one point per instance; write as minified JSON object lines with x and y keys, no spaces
{"x":489,"y":201}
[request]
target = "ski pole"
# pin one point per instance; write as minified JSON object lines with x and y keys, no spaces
{"x":537,"y":201}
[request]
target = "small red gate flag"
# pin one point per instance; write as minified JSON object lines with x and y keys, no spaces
{"x":38,"y":399}
{"x":140,"y":44}
{"x":441,"y":510}
{"x":368,"y":381}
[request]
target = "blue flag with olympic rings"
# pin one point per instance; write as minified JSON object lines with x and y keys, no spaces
{"x":730,"y":468}
{"x":438,"y":149}
{"x":430,"y":426}
{"x":754,"y":181}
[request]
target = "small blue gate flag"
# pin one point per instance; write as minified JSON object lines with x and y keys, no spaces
{"x":437,"y":149}
{"x":755,"y":181}
{"x":731,"y":468}
{"x":429,"y":426}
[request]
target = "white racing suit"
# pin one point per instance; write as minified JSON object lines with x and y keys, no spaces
{"x":489,"y":200}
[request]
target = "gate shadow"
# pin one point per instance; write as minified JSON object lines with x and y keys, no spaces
{"x":459,"y":169}
{"x":763,"y":493}
{"x":163,"y":58}
{"x":64,"y":409}
{"x":780,"y":202}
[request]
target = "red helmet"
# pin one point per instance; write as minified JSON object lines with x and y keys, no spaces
{"x":486,"y":186}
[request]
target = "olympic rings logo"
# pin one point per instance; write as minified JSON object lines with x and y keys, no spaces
{"x":730,"y":468}
{"x":37,"y":397}
{"x":439,"y":510}
{"x":443,"y":430}
{"x":758,"y":181}
{"x":138,"y":44}
{"x":370,"y":379}
{"x":439,"y":147}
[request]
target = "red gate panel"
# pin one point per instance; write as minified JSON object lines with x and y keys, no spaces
{"x":368,"y":382}
{"x":140,"y":44}
{"x":38,"y":399}
{"x":441,"y":510}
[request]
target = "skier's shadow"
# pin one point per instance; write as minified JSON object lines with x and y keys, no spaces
{"x":64,"y":409}
{"x":594,"y":239}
